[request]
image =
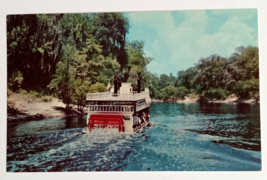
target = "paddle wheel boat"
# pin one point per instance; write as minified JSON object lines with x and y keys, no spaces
{"x":125,"y":110}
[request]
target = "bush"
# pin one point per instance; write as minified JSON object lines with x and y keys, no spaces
{"x":181,"y":92}
{"x":247,"y":89}
{"x":216,"y":94}
{"x":98,"y":87}
{"x":15,"y":81}
{"x":167,"y":92}
{"x":170,"y":92}
{"x":23,"y":91}
{"x":35,"y":94}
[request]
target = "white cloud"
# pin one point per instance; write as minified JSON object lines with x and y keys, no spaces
{"x":242,"y":14}
{"x":159,"y":67}
{"x":232,"y":34}
{"x":181,"y":46}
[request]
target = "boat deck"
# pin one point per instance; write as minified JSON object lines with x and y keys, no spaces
{"x":109,"y":96}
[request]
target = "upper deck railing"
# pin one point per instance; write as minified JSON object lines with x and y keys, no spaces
{"x":111,"y":96}
{"x":109,"y":108}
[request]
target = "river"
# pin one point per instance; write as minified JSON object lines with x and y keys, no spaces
{"x":182,"y":137}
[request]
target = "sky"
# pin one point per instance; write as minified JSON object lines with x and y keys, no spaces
{"x":176,"y":40}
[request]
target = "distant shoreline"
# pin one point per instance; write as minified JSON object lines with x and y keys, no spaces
{"x":232,"y":99}
{"x":29,"y":109}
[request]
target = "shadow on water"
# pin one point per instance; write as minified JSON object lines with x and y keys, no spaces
{"x":242,"y":130}
{"x":45,"y":125}
{"x":217,"y":108}
{"x":237,"y":125}
{"x":75,"y":122}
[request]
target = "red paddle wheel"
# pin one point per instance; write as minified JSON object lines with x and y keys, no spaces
{"x":106,"y":122}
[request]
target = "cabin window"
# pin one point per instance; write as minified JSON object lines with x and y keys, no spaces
{"x":127,"y":118}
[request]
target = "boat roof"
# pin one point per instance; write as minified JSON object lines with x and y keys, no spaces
{"x":109,"y":96}
{"x":126,"y":93}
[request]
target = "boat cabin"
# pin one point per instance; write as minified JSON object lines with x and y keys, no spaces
{"x":125,"y":110}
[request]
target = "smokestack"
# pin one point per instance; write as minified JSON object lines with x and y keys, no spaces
{"x":139,"y":82}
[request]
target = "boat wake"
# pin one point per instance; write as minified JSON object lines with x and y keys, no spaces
{"x":171,"y":143}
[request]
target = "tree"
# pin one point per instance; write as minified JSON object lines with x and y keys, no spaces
{"x":185,"y":77}
{"x":210,"y":74}
{"x":98,"y":87}
{"x":110,"y":31}
{"x":165,"y":80}
{"x":33,"y":46}
{"x":15,"y":81}
{"x":153,"y":86}
{"x":181,"y":92}
{"x":242,"y":74}
{"x":167,"y":93}
{"x":64,"y":78}
{"x":248,"y":88}
{"x":91,"y":68}
{"x":137,"y":62}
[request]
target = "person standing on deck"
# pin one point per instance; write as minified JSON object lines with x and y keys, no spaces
{"x":109,"y":86}
{"x":139,"y":82}
{"x":116,"y":83}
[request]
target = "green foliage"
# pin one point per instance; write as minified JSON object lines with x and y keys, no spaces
{"x":91,"y":67}
{"x":98,"y":87}
{"x":80,"y":88}
{"x":181,"y":92}
{"x":79,"y":69}
{"x":72,"y":54}
{"x":171,"y":92}
{"x":167,"y":92}
{"x":65,"y":52}
{"x":63,"y":81}
{"x":33,"y":46}
{"x":213,"y":78}
{"x":216,"y":94}
{"x":35,"y":43}
{"x":242,"y":74}
{"x":248,"y":88}
{"x":23,"y":91}
{"x":185,"y":77}
{"x":15,"y":81}
{"x":165,"y":80}
{"x":137,"y":62}
{"x":35,"y":94}
{"x":110,"y":30}
{"x":210,"y":73}
{"x":153,"y":86}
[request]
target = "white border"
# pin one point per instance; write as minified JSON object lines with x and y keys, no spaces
{"x":79,"y":6}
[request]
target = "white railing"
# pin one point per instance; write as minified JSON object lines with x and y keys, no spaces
{"x":140,"y":106}
{"x":110,"y":108}
{"x":141,"y":95}
{"x":112,"y":96}
{"x":103,"y":95}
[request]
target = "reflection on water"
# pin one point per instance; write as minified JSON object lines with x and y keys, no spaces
{"x":202,"y":137}
{"x":32,"y":127}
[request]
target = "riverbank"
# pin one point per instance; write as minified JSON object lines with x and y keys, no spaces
{"x":26,"y":108}
{"x":231,"y":99}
